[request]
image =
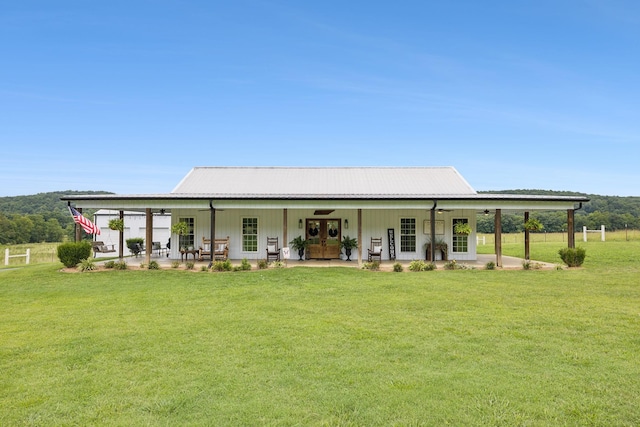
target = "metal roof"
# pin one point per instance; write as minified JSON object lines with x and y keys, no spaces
{"x":324,"y":182}
{"x":348,"y":187}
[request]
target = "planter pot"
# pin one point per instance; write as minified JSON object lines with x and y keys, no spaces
{"x":300,"y":253}
{"x":347,"y":252}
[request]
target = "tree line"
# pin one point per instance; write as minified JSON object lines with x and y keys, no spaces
{"x":43,"y":217}
{"x":614,"y":212}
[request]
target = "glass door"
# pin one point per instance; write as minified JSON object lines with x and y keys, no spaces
{"x":324,"y":236}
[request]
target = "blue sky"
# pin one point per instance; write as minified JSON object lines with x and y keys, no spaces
{"x":128,"y":96}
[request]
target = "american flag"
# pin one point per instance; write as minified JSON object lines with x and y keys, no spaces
{"x":87,"y":226}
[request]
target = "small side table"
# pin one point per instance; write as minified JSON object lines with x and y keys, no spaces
{"x":186,"y":253}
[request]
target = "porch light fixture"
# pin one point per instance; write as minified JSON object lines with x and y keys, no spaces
{"x":440,"y":211}
{"x":300,"y":223}
{"x":486,"y":212}
{"x":346,"y":224}
{"x":161,"y":211}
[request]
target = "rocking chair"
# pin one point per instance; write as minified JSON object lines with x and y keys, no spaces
{"x":273,"y":249}
{"x":376,"y":249}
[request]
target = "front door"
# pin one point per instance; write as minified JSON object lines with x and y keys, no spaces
{"x":324,"y":235}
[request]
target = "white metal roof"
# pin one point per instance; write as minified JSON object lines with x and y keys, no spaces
{"x":324,"y":182}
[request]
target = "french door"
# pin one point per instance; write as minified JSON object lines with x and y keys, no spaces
{"x":325,"y":236}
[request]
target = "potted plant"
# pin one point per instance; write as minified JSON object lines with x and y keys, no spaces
{"x":462,"y":228}
{"x":348,"y":244}
{"x":180,"y":228}
{"x":116,"y":224}
{"x":440,"y":247}
{"x":533,"y":224}
{"x":299,"y":244}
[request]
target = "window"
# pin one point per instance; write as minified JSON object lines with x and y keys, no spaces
{"x":407,"y":234}
{"x":460,"y":241}
{"x":250,"y":234}
{"x":188,"y":239}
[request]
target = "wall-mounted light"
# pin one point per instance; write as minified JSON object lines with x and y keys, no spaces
{"x":346,"y":224}
{"x":486,"y":212}
{"x":162,"y":211}
{"x":300,"y":223}
{"x":440,"y":211}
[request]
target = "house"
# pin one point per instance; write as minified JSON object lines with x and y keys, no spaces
{"x":408,"y":207}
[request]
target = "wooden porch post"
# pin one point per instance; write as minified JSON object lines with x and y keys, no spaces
{"x":526,"y":237}
{"x":571,"y":235}
{"x":359,"y":237}
{"x":149,"y":236}
{"x":77,"y":228}
{"x":498,"y":237}
{"x":212,"y":234}
{"x":285,"y":241}
{"x":121,"y":238}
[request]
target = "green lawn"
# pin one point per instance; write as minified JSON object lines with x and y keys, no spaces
{"x":325,"y":346}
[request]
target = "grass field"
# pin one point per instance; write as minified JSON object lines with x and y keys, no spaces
{"x":325,"y":346}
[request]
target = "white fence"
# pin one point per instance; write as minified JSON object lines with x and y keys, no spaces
{"x":7,"y":256}
{"x":585,"y":231}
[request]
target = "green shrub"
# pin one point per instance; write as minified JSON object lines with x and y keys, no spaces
{"x":120,"y":265}
{"x":373,"y":265}
{"x":416,"y":265}
{"x":490,"y":265}
{"x":190,"y":265}
{"x":222,"y":266}
{"x":453,"y":265}
{"x":153,"y":265}
{"x":204,"y":268}
{"x":87,"y":264}
{"x":245,"y":265}
{"x":530,"y":265}
{"x":71,"y":253}
{"x":398,"y":268}
{"x":572,"y":257}
{"x":175,"y":264}
{"x":262,"y":264}
{"x":110,"y":264}
{"x":420,"y":265}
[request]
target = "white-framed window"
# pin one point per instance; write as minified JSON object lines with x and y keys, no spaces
{"x":407,"y":234}
{"x":460,"y":241}
{"x":250,"y":234}
{"x":188,"y":240}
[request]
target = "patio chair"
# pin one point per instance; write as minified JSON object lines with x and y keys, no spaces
{"x":205,"y":249}
{"x":138,"y":249}
{"x":157,"y":247}
{"x":375,"y":251}
{"x":221,"y":249}
{"x":273,"y":249}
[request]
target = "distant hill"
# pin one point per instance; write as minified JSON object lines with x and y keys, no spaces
{"x":48,"y":205}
